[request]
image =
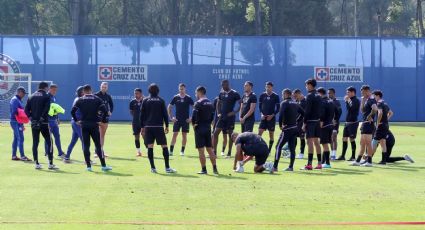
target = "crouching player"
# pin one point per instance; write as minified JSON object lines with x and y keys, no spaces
{"x":202,"y":116}
{"x":251,"y":145}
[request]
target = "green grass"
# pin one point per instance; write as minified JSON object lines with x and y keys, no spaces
{"x":130,"y":197}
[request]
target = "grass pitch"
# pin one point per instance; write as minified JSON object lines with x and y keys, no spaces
{"x":130,"y":197}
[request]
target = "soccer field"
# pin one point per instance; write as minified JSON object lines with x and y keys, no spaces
{"x":130,"y":197}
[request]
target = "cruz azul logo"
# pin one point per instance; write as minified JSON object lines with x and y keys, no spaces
{"x":7,"y":65}
{"x":122,"y":73}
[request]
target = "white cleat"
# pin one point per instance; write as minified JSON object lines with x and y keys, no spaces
{"x":362,"y":161}
{"x":153,"y":170}
{"x":269,"y":167}
{"x":354,"y":163}
{"x":300,"y":156}
{"x":170,"y":170}
{"x":367,"y":164}
{"x":38,"y":166}
{"x":182,"y":154}
{"x":222,"y":154}
{"x":53,"y":167}
{"x":240,"y":169}
{"x":171,"y":153}
{"x":409,"y":159}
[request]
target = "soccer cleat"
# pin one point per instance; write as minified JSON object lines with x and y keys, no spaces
{"x":275,"y":169}
{"x":89,"y":169}
{"x":307,"y":167}
{"x":354,"y":163}
{"x":93,"y":162}
{"x":139,"y":154}
{"x":38,"y":166}
{"x":15,"y":158}
{"x":106,"y":168}
{"x":362,"y":161}
{"x":367,"y":164}
{"x":268,"y":166}
{"x":382,"y":163}
{"x":341,"y":158}
{"x":61,"y":156}
{"x":170,"y":170}
{"x":240,"y":169}
{"x":203,"y":172}
{"x":181,"y":153}
{"x":319,"y":166}
{"x":153,"y":170}
{"x":24,"y":158}
{"x":289,"y":169}
{"x":222,"y":154}
{"x":53,"y":167}
{"x":171,"y":153}
{"x":326,"y":166}
{"x":409,"y":159}
{"x":300,"y":156}
{"x":333,"y":157}
{"x":227,"y":156}
{"x":215,"y":172}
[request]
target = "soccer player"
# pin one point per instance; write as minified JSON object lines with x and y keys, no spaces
{"x":247,"y":109}
{"x":383,"y":129}
{"x":37,"y":109}
{"x":289,"y":112}
{"x":76,"y":129}
{"x":153,"y":116}
{"x":312,"y":124}
{"x":17,"y":127}
{"x":300,"y":99}
{"x":135,"y":107}
{"x":92,"y":111}
{"x":327,"y":126}
{"x":223,"y":148}
{"x":269,"y":103}
{"x":338,"y":113}
{"x":369,"y":108}
{"x":182,"y":102}
{"x":390,"y":142}
{"x":54,"y":123}
{"x":251,"y":145}
{"x":352,"y":105}
{"x":228,"y":99}
{"x":202,"y":116}
{"x":109,"y":105}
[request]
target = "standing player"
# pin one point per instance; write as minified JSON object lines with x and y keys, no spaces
{"x":246,"y":114}
{"x":383,"y":129}
{"x":181,"y":120}
{"x":54,"y":123}
{"x":135,"y":107}
{"x":76,"y":129}
{"x":109,"y":105}
{"x":17,"y":127}
{"x":269,"y":103}
{"x":338,"y":113}
{"x":327,"y":126}
{"x":289,"y":112}
{"x":299,"y":97}
{"x":202,"y":116}
{"x":312,"y":124}
{"x":92,"y":110}
{"x":223,"y":148}
{"x":352,"y":105}
{"x":228,"y":99}
{"x":37,"y":109}
{"x":153,"y":116}
{"x":369,"y":108}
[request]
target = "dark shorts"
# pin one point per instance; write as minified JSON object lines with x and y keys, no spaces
{"x":227,"y":125}
{"x":301,"y":133}
{"x":268,"y":125}
{"x":153,"y":134}
{"x":288,"y":135}
{"x":350,"y":130}
{"x":326,"y":134}
{"x":261,"y":159}
{"x":312,"y":129}
{"x":184,"y":126}
{"x":137,"y":128}
{"x":203,"y":137}
{"x":367,"y":128}
{"x":248,"y":126}
{"x":336,"y":128}
{"x":381,"y":132}
{"x":105,"y":120}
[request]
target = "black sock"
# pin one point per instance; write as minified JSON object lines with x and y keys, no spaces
{"x":150,"y":156}
{"x":166,"y":155}
{"x":384,"y":157}
{"x":223,"y":149}
{"x":204,"y":168}
{"x":310,"y":159}
{"x":359,"y":158}
{"x":302,"y":146}
{"x":137,"y":143}
{"x":270,"y":145}
{"x":182,"y":150}
{"x":344,"y":148}
{"x":291,"y":163}
{"x":101,"y":158}
{"x":319,"y":158}
{"x":229,"y":153}
{"x":326,"y":155}
{"x":172,"y":148}
{"x":215,"y":167}
{"x":394,"y":159}
{"x":369,"y":160}
{"x":353,"y":149}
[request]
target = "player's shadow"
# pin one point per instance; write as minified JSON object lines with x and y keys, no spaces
{"x":120,"y":159}
{"x":111,"y":173}
{"x":226,"y":176}
{"x":177,"y":175}
{"x":393,"y":167}
{"x":345,"y":171}
{"x":57,"y":172}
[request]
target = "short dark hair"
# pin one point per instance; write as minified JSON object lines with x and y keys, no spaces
{"x":86,"y":88}
{"x":201,"y":89}
{"x":269,"y":83}
{"x":351,"y":89}
{"x":321,"y":90}
{"x":79,"y":91}
{"x":43,"y":85}
{"x":332,"y":90}
{"x":311,"y":82}
{"x":138,"y":90}
{"x":225,"y":81}
{"x":287,"y":91}
{"x":365,"y":87}
{"x":297,"y":91}
{"x":249,"y":83}
{"x":182,"y":85}
{"x":153,"y":89}
{"x":53,"y":86}
{"x":378,"y":93}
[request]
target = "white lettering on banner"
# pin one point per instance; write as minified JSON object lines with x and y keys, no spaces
{"x":122,"y":73}
{"x":230,"y":73}
{"x":338,"y":74}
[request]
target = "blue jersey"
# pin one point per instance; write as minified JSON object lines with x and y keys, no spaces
{"x":52,"y":100}
{"x":15,"y":104}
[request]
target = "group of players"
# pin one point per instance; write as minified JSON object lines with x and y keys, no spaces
{"x":314,"y":119}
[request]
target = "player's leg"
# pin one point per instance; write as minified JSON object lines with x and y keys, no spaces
{"x":334,"y":144}
{"x":362,"y":150}
{"x":136,"y":133}
{"x":280,"y":143}
{"x":15,"y":129}
{"x":35,"y":141}
{"x":185,"y":131}
{"x":45,"y":131}
{"x":56,"y":134}
{"x":310,"y":146}
{"x":318,"y":148}
{"x":74,"y":139}
{"x":383,"y":144}
{"x":230,"y":129}
{"x":261,"y":131}
{"x":271,"y":140}
{"x":161,"y":140}
{"x":202,"y":160}
{"x":149,"y":141}
{"x":103,"y":127}
{"x":216,"y":133}
{"x":224,"y":144}
{"x":176,"y":130}
{"x":86,"y":146}
{"x":291,"y":143}
{"x":95,"y":135}
{"x":21,"y":139}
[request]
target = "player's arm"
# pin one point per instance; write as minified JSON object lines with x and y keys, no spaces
{"x":238,"y":156}
{"x":390,"y":114}
{"x":218,"y":107}
{"x":281,"y":114}
{"x":238,"y":106}
{"x":260,"y":105}
{"x":308,"y":105}
{"x":379,"y":115}
{"x":165,"y":116}
{"x":195,"y":115}
{"x":277,"y":107}
{"x":111,"y":104}
{"x":131,"y":109}
{"x":142,"y":116}
{"x":46,"y":107}
{"x":250,"y":111}
{"x":170,"y":112}
{"x":373,"y":112}
{"x":74,"y":110}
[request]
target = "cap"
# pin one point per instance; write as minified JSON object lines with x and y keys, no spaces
{"x":22,"y":89}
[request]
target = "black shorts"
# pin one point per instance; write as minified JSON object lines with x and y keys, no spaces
{"x":227,"y":125}
{"x":260,"y":159}
{"x":301,"y":133}
{"x":312,"y":129}
{"x":336,"y":128}
{"x":326,"y":134}
{"x":367,"y":128}
{"x":268,"y":125}
{"x":381,"y":132}
{"x":137,"y":128}
{"x":203,"y":137}
{"x":184,"y":126}
{"x":350,"y":130}
{"x":248,"y":126}
{"x":105,"y":120}
{"x":153,"y":134}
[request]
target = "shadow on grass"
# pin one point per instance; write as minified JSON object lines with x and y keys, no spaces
{"x":57,"y":172}
{"x":111,"y":173}
{"x":120,"y":159}
{"x":177,"y":175}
